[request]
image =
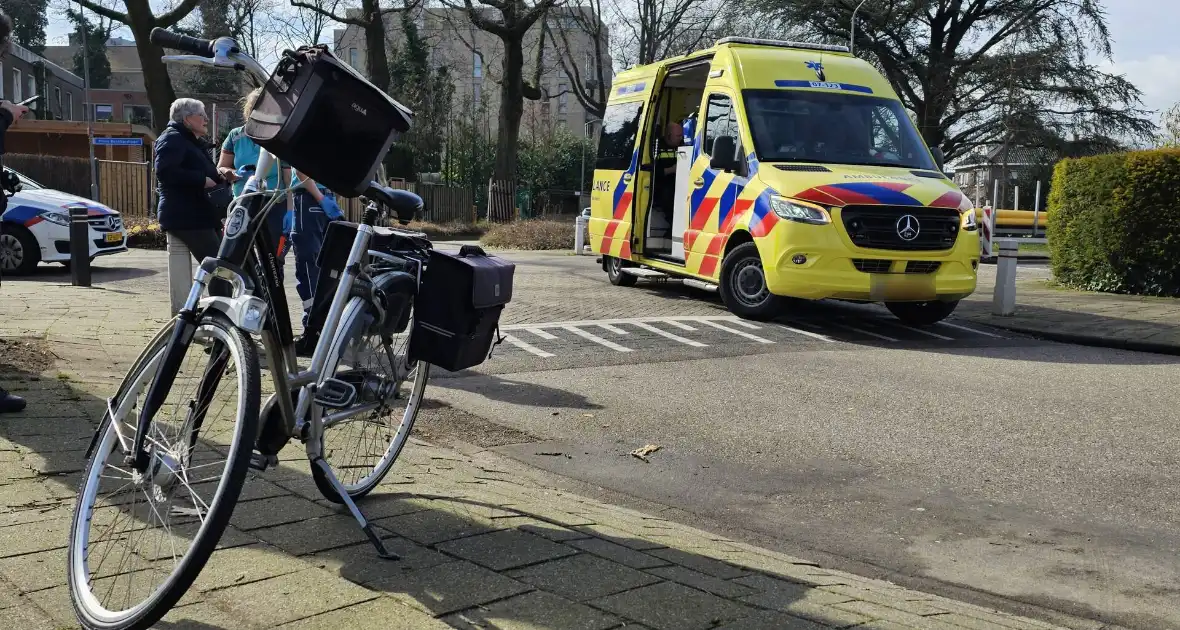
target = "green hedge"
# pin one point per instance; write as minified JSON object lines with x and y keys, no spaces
{"x":1114,"y":222}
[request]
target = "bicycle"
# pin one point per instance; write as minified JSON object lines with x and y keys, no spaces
{"x":162,"y":443}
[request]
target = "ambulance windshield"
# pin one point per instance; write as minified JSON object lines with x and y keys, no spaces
{"x":833,"y":128}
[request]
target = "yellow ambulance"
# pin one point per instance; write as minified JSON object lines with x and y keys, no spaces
{"x":767,"y":169}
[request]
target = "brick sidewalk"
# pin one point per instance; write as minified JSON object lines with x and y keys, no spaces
{"x":482,"y":546}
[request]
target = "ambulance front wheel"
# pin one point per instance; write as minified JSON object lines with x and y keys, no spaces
{"x":921,"y":313}
{"x":616,"y":275}
{"x":743,"y":285}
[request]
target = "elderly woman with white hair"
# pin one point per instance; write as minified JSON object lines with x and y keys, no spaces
{"x":184,"y":173}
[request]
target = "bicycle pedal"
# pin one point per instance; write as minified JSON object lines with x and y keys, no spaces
{"x":261,"y":462}
{"x":335,"y":393}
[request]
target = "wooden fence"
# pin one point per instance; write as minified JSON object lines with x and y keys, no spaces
{"x":126,"y":187}
{"x":440,"y":203}
{"x":67,"y":174}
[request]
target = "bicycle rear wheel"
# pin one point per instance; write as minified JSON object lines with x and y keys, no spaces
{"x":138,"y":540}
{"x":361,"y":449}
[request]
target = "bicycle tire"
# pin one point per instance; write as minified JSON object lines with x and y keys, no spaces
{"x":229,"y":484}
{"x":356,"y":324}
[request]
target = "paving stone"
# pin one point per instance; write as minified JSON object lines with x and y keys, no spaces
{"x":700,"y":563}
{"x":888,"y":613}
{"x":382,"y":613}
{"x":434,"y":526}
{"x":619,"y":553}
{"x":783,"y":595}
{"x":549,"y":513}
{"x":203,"y":615}
{"x":771,"y":620}
{"x":30,"y":617}
{"x":9,"y":595}
{"x":18,"y":540}
{"x":895,"y":598}
{"x":376,"y":506}
{"x":274,"y":511}
{"x":313,"y":534}
{"x":701,"y":581}
{"x":549,"y":530}
{"x":618,"y":536}
{"x":506,"y":549}
{"x":242,"y":565}
{"x":361,"y":564}
{"x":448,"y":588}
{"x":35,"y":571}
{"x":290,"y":597}
{"x":531,"y":611}
{"x":582,"y":577}
{"x":828,"y":615}
{"x":669,"y":606}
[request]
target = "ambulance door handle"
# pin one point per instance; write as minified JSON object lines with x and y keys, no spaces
{"x":700,"y":181}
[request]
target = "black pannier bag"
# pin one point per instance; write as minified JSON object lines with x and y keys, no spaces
{"x":458,"y":308}
{"x":334,"y":253}
{"x":322,"y":117}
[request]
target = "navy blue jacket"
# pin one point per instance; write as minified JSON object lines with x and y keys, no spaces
{"x":181,"y":168}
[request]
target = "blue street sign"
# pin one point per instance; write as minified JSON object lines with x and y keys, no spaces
{"x":119,"y":142}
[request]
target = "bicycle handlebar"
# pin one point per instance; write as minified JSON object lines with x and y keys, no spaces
{"x":167,"y":39}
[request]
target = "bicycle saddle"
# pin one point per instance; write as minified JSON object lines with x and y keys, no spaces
{"x":405,"y":204}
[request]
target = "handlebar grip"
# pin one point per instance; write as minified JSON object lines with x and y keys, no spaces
{"x":167,"y":39}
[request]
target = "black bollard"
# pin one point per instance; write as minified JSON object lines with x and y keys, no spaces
{"x":80,"y":247}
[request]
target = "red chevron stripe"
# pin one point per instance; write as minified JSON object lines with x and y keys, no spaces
{"x":624,"y":203}
{"x":701,"y":218}
{"x":625,"y":250}
{"x":818,"y":196}
{"x":605,"y":248}
{"x":740,"y":206}
{"x":765,"y":225}
{"x":848,"y":197}
{"x":898,"y":186}
{"x":611,"y":226}
{"x":952,"y":199}
{"x":690,"y":236}
{"x":715,"y":245}
{"x":708,"y":266}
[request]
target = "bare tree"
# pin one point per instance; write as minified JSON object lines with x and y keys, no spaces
{"x":650,"y":30}
{"x":370,"y":19}
{"x":305,"y":26}
{"x":589,"y":80}
{"x":508,"y":21}
{"x":141,"y":19}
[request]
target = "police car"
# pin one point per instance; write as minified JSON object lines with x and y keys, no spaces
{"x":36,"y":227}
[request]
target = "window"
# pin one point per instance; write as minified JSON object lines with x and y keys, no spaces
{"x":352,"y":57}
{"x":32,"y":91}
{"x":16,"y":86}
{"x":103,"y":113}
{"x":563,"y":97}
{"x":137,"y":114}
{"x":1,"y":80}
{"x":61,"y":113}
{"x":69,"y":106}
{"x":620,"y":124}
{"x":833,"y":128}
{"x":476,"y":65}
{"x":719,"y":121}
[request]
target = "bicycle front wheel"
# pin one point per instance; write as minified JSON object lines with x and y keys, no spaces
{"x":361,"y":448}
{"x":139,"y":539}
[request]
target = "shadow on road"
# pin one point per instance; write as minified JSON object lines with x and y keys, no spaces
{"x":515,"y":391}
{"x":100,"y":271}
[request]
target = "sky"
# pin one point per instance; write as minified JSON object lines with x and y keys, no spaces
{"x":1146,"y":46}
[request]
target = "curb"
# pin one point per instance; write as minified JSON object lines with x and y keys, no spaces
{"x":1095,"y":341}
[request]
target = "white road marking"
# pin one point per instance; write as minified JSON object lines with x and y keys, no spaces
{"x":927,"y":333}
{"x":973,"y":330}
{"x":807,"y":333}
{"x":865,"y":332}
{"x":538,"y":332}
{"x":743,"y":323}
{"x":696,"y":319}
{"x":735,"y":332}
{"x":612,"y":328}
{"x":596,"y":339}
{"x":680,"y":325}
{"x":664,"y":333}
{"x":527,"y":347}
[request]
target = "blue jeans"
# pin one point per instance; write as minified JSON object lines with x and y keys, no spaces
{"x":311,"y":224}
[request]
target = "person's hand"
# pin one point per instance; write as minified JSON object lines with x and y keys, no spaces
{"x":332,"y":209}
{"x":228,"y":173}
{"x":16,"y":110}
{"x":210,"y":182}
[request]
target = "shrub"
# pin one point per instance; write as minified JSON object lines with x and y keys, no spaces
{"x":531,"y":234}
{"x":145,"y":233}
{"x":1115,"y":223}
{"x":453,"y":231}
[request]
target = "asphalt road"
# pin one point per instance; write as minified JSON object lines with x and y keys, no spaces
{"x":956,"y":458}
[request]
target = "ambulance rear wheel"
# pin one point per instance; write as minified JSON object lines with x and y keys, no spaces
{"x":616,"y":275}
{"x":743,"y":285}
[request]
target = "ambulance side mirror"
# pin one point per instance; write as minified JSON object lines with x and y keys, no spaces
{"x":724,"y":157}
{"x":939,"y":158}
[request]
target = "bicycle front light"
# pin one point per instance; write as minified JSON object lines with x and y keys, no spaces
{"x":799,"y":211}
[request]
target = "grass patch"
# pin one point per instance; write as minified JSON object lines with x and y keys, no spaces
{"x":452,"y":231}
{"x":534,"y":234}
{"x":1034,"y":248}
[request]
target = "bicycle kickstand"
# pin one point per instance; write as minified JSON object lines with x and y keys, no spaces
{"x":366,"y":526}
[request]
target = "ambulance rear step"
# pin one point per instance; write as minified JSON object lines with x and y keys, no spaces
{"x":644,"y":273}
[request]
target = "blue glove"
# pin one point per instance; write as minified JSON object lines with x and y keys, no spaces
{"x":331,"y":209}
{"x":288,"y":222}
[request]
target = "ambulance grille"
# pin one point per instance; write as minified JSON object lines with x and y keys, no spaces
{"x":805,"y":168}
{"x":877,"y":227}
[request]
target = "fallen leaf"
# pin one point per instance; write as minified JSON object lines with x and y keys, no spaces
{"x":587,"y":415}
{"x":645,"y":450}
{"x":553,"y":454}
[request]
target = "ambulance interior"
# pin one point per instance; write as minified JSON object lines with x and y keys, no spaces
{"x":671,"y":151}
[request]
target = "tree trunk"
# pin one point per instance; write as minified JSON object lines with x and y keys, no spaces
{"x":501,"y":198}
{"x":376,"y":65}
{"x":155,"y":72}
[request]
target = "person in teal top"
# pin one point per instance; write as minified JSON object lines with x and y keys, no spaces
{"x":238,"y":151}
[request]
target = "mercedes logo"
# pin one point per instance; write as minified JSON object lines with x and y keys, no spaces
{"x":908,"y":227}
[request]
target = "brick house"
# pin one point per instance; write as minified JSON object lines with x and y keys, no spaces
{"x":24,"y":74}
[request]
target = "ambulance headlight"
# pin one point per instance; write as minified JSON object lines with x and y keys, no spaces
{"x":799,"y":211}
{"x":969,"y":223}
